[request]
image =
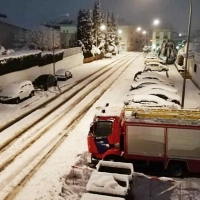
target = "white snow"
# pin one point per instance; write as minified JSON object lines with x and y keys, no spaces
{"x":18,"y":54}
{"x":88,"y":196}
{"x":50,"y":182}
{"x":104,"y":183}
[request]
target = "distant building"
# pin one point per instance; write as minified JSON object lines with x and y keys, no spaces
{"x":7,"y":31}
{"x":131,"y":40}
{"x":68,"y":33}
{"x":159,"y":35}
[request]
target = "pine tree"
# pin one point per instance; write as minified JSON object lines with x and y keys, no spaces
{"x":97,"y":20}
{"x":84,"y":31}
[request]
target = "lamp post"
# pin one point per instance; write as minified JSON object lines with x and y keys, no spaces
{"x":187,"y":48}
{"x":138,"y":36}
{"x":53,"y":40}
{"x":144,"y":33}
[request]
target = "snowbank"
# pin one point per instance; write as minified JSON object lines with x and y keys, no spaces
{"x":88,"y":196}
{"x":105,"y":183}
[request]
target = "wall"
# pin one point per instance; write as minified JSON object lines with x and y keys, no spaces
{"x":32,"y":73}
{"x":195,"y":70}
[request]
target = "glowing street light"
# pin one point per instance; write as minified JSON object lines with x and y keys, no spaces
{"x":119,"y":31}
{"x":156,"y":22}
{"x":102,"y":27}
{"x":138,"y":29}
{"x":144,"y":32}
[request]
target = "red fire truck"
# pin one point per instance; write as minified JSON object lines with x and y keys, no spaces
{"x":169,"y":137}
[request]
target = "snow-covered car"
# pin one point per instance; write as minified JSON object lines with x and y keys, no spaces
{"x":142,"y":83}
{"x":153,"y":87}
{"x":63,"y":74}
{"x":153,"y":75}
{"x":147,"y":100}
{"x":154,"y":59}
{"x":17,"y":91}
{"x":166,"y":95}
{"x":108,"y":55}
{"x":155,"y":66}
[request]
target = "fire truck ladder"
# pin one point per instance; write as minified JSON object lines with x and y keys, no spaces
{"x":185,"y":114}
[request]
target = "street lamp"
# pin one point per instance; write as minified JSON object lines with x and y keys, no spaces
{"x":156,"y":22}
{"x":138,"y":29}
{"x":144,"y":33}
{"x":120,"y":31}
{"x":54,"y":21}
{"x":187,"y":48}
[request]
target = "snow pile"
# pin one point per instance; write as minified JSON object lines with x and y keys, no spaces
{"x":105,"y":183}
{"x":74,"y":183}
{"x":19,"y":54}
{"x":2,"y":49}
{"x":51,"y":52}
{"x":88,"y":196}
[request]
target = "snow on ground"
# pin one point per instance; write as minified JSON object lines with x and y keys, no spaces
{"x":9,"y":111}
{"x":54,"y":179}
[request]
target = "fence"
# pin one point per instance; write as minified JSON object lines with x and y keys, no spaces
{"x":72,"y":51}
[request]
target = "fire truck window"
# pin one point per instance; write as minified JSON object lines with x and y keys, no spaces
{"x":103,"y":128}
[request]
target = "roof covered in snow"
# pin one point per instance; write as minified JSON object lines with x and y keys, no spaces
{"x":89,"y":196}
{"x":105,"y":183}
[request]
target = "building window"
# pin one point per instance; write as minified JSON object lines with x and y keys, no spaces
{"x":165,"y":35}
{"x":157,"y":34}
{"x":195,"y":68}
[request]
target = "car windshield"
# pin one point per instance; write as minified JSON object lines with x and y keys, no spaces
{"x":103,"y":128}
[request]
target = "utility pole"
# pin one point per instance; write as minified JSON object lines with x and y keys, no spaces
{"x":186,"y":60}
{"x":54,"y":69}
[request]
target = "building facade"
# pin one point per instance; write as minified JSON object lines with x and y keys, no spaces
{"x":131,"y":40}
{"x":68,"y":35}
{"x":158,"y":36}
{"x":7,"y":32}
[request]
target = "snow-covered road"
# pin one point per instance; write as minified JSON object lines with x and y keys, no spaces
{"x":49,"y":179}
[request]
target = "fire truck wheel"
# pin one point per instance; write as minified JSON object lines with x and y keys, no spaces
{"x":176,"y":169}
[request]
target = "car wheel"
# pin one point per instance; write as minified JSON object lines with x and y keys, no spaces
{"x":31,"y":94}
{"x":176,"y":169}
{"x":148,"y":70}
{"x":45,"y":87}
{"x":17,"y":100}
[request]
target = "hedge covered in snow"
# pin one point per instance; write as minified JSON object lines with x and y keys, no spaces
{"x":22,"y":60}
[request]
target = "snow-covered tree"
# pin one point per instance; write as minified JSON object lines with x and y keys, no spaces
{"x":2,"y":49}
{"x":111,"y":33}
{"x":97,"y":20}
{"x":40,"y":38}
{"x":85,"y":31}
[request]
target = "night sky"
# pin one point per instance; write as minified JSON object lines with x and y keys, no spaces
{"x":174,"y":13}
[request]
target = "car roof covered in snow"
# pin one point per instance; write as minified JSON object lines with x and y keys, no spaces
{"x":105,"y":183}
{"x":89,"y":196}
{"x":154,"y":86}
{"x":114,"y":110}
{"x":61,"y":71}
